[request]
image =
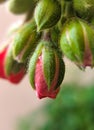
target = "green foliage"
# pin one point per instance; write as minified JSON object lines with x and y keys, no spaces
{"x":73,"y":109}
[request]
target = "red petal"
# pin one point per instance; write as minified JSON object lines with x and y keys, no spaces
{"x":2,"y":56}
{"x":16,"y":78}
{"x":40,"y":84}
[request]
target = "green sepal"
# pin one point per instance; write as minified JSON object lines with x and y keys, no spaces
{"x":29,"y":48}
{"x":32,"y":64}
{"x":26,"y":34}
{"x":30,"y":45}
{"x":10,"y":65}
{"x":47,"y":13}
{"x":61,"y":72}
{"x":72,"y":40}
{"x":48,"y":65}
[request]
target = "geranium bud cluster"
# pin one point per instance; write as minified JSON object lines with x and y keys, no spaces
{"x":51,"y":30}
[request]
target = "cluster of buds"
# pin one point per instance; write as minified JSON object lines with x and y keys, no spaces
{"x":51,"y":30}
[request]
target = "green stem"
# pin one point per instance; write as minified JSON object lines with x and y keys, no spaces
{"x":46,"y":35}
{"x":68,"y":10}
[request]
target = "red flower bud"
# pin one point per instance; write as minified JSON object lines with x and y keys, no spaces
{"x":13,"y":77}
{"x":46,"y":70}
{"x":41,"y":86}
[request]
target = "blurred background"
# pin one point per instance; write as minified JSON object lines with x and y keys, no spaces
{"x":20,"y":109}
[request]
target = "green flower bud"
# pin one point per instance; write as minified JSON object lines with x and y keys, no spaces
{"x":46,"y":70}
{"x":25,"y":41}
{"x":20,"y":6}
{"x":84,"y":8}
{"x":77,"y":42}
{"x":47,"y":13}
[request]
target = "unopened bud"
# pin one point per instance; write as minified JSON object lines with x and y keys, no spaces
{"x":77,"y":42}
{"x":9,"y":73}
{"x":46,"y":70}
{"x":10,"y":65}
{"x":47,"y":13}
{"x":25,"y":41}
